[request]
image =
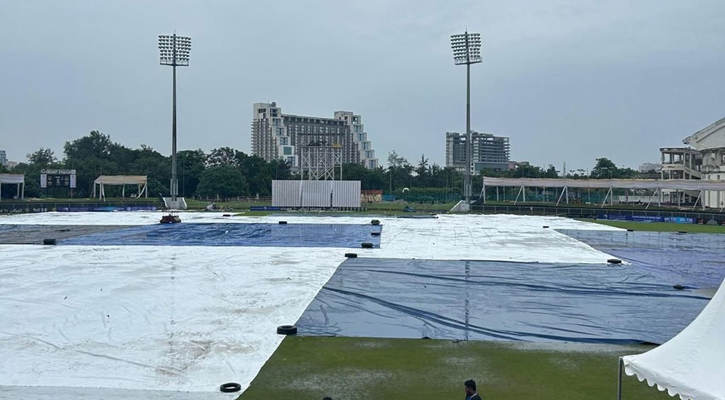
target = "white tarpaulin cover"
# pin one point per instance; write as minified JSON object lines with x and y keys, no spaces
{"x":174,"y":322}
{"x":692,"y":364}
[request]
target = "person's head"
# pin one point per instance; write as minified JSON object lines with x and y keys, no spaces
{"x":470,"y":386}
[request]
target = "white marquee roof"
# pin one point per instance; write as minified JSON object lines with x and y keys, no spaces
{"x":674,"y":184}
{"x":691,"y":364}
{"x":121,"y":180}
{"x":12,"y":178}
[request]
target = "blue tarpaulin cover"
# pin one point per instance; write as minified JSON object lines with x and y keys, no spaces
{"x":495,"y":300}
{"x":691,"y":259}
{"x":228,"y":234}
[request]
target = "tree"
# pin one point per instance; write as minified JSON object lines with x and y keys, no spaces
{"x":422,"y":169}
{"x":551,"y":172}
{"x":604,"y":169}
{"x":191,"y":165}
{"x":42,"y":157}
{"x":396,"y":161}
{"x":222,"y":181}
{"x":223,"y":156}
{"x":96,"y":144}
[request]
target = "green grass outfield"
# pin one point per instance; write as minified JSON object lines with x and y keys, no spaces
{"x":414,"y":369}
{"x":661,"y":226}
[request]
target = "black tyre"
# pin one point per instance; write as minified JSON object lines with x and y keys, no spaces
{"x":546,"y":226}
{"x":375,"y":222}
{"x":49,"y":242}
{"x":287,"y":330}
{"x":614,"y":261}
{"x":375,"y":233}
{"x":230,"y":387}
{"x":283,"y":222}
{"x":351,"y":255}
{"x":366,"y":245}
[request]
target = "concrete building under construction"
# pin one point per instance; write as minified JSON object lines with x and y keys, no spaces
{"x":704,"y":159}
{"x":487,"y":152}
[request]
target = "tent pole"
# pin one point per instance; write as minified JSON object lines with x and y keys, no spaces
{"x":560,"y":196}
{"x":518,"y":194}
{"x":605,"y":197}
{"x":699,"y":198}
{"x":484,"y":191}
{"x":619,"y":380}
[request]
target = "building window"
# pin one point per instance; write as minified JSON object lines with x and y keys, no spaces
{"x":287,"y":151}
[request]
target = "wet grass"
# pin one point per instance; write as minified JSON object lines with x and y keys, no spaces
{"x":661,"y":226}
{"x":359,"y":368}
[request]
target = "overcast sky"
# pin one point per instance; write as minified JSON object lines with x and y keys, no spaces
{"x":566,"y":80}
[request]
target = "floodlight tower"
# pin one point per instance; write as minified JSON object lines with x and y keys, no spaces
{"x":174,"y":53}
{"x":467,"y":50}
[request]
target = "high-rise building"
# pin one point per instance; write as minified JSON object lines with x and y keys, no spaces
{"x":280,"y":136}
{"x":488,"y":151}
{"x":3,"y":158}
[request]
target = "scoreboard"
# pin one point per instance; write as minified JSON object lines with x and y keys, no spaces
{"x":65,"y":178}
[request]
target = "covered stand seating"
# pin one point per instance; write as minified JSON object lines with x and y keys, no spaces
{"x":123,"y":180}
{"x":690,"y":365}
{"x":657,"y":186}
{"x":13,"y":179}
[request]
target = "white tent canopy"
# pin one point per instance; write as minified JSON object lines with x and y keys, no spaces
{"x":692,"y":364}
{"x":13,"y":179}
{"x":122,"y":180}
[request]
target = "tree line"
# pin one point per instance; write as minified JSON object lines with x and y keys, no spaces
{"x":227,"y":173}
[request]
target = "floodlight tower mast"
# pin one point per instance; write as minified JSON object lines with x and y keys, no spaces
{"x":174,"y":53}
{"x":467,"y":50}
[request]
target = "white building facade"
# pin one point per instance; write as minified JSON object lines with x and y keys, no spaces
{"x":280,"y":136}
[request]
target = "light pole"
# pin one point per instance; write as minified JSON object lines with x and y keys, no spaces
{"x":174,"y":53}
{"x":467,"y":50}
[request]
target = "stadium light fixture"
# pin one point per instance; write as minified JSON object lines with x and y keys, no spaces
{"x":466,"y":51}
{"x":174,"y":52}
